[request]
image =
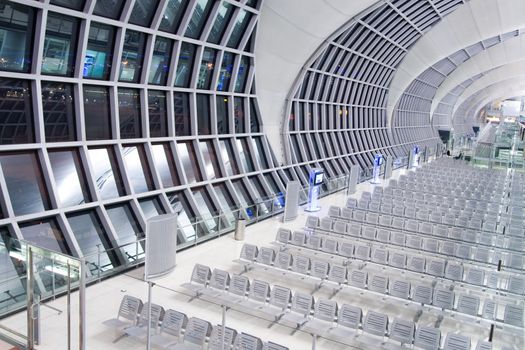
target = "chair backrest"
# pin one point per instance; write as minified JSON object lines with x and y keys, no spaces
{"x":443,"y":298}
{"x":372,"y":218}
{"x":216,"y":338}
{"x":448,"y":248}
{"x":411,"y":225}
{"x":463,"y":251}
{"x":340,"y":227}
{"x":284,"y":235}
{"x":483,"y":345}
{"x":431,"y":245}
{"x":456,"y":342}
{"x":130,"y":308}
{"x":272,"y":346}
{"x":245,"y":341}
{"x":436,"y":267}
{"x":259,"y":291}
{"x":220,"y":279}
{"x":398,"y":238}
{"x":280,"y":297}
{"x":301,"y":264}
{"x":380,"y":255}
{"x":385,"y":220}
{"x":378,"y":283}
{"x":197,"y":330}
{"x":312,"y":222}
{"x":397,"y":259}
{"x":416,"y":263}
{"x":239,"y":285}
{"x":476,"y":276}
{"x":354,"y":229}
{"x":358,"y":278}
{"x":422,"y":294}
{"x":329,"y":245}
{"x":513,"y":315}
{"x":359,"y":215}
{"x":428,"y":338}
{"x":201,"y":274}
{"x":326,"y":223}
{"x":325,"y":310}
{"x":313,"y":242}
{"x":302,"y":303}
{"x":362,"y":252}
{"x":351,"y":203}
{"x":402,"y":331}
{"x":454,"y":271}
{"x":425,"y":227}
{"x":346,"y":249}
{"x":383,"y":235}
{"x":319,"y":269}
{"x":298,"y":238}
{"x":283,"y":260}
{"x":266,"y":256}
{"x":468,"y":304}
{"x":400,"y":289}
{"x":337,"y":273}
{"x":349,"y":316}
{"x":516,"y":284}
{"x":375,"y":323}
{"x":414,"y":242}
{"x":173,"y":322}
{"x":489,"y":309}
{"x":249,"y":252}
{"x":334,"y":211}
{"x":347,"y":213}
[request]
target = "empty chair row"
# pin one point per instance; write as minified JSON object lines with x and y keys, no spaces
{"x":325,"y":318}
{"x":439,"y":297}
{"x":174,"y":330}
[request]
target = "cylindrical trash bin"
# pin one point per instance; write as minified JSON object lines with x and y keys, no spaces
{"x":240,"y":228}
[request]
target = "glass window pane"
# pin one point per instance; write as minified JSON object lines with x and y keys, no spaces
{"x":16,"y":114}
{"x":255,"y":126}
{"x":211,"y":163}
{"x":239,"y":29}
{"x":260,"y":155}
{"x":244,"y":197}
{"x":151,"y":207}
{"x":16,"y":36}
{"x":99,"y":53}
{"x":158,"y":114}
{"x":137,"y":168}
{"x":181,"y":103}
{"x":238,"y":115}
{"x":185,"y":216}
{"x":127,"y":229}
{"x":226,"y":201}
{"x":206,"y":209}
{"x":224,"y":14}
{"x":132,"y":56}
{"x":228,"y":158}
{"x":11,"y":270}
{"x":185,"y":65}
{"x":242,"y":76}
{"x":225,"y":73}
{"x":160,"y":62}
{"x":260,"y":193}
{"x":223,"y":118}
{"x":206,"y":68}
{"x":89,"y":233}
{"x":252,"y":3}
{"x":198,"y":18}
{"x":45,"y":233}
{"x":143,"y":12}
{"x":96,"y":112}
{"x":203,"y":114}
{"x":173,"y":15}
{"x":129,"y":113}
{"x":106,"y":173}
{"x":189,"y":162}
{"x":59,"y":111}
{"x":165,"y":164}
{"x":244,"y":155}
{"x":109,"y":8}
{"x":69,"y":177}
{"x":72,"y":4}
{"x":60,"y":45}
{"x":25,"y":182}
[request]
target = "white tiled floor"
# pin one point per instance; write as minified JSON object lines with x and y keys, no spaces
{"x":103,"y":299}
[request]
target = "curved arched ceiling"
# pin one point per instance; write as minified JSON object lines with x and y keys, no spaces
{"x":289,"y":32}
{"x":471,"y":23}
{"x":509,"y":51}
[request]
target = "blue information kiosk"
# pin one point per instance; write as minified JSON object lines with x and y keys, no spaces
{"x":315,"y":181}
{"x":415,"y":156}
{"x":378,"y":161}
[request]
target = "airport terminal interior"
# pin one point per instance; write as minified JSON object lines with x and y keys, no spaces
{"x":262,"y":174}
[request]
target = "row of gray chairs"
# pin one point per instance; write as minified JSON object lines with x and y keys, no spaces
{"x":174,"y":330}
{"x":323,"y":317}
{"x":441,"y":298}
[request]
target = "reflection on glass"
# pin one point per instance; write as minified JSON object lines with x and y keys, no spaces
{"x":89,"y":233}
{"x":45,"y":233}
{"x":132,"y":56}
{"x":244,"y":154}
{"x":129,"y":113}
{"x":16,"y":114}
{"x":260,"y":193}
{"x":251,"y":3}
{"x":211,"y":163}
{"x":137,"y":168}
{"x":260,"y":155}
{"x":198,"y":18}
{"x":206,"y":209}
{"x":185,"y":65}
{"x":16,"y":36}
{"x":189,"y":162}
{"x":151,"y":207}
{"x":69,"y":177}
{"x":72,"y":4}
{"x":165,"y":164}
{"x":12,"y":287}
{"x":242,"y":75}
{"x":127,"y":229}
{"x":97,"y":117}
{"x":244,"y":197}
{"x":106,"y":173}
{"x":173,"y":15}
{"x":225,"y":73}
{"x":203,"y":114}
{"x":254,"y":118}
{"x":59,"y":111}
{"x":228,"y":157}
{"x":185,"y":216}
{"x":279,"y":200}
{"x":224,"y":14}
{"x":25,"y":182}
{"x":60,"y":45}
{"x":238,"y":114}
{"x":160,"y":61}
{"x":158,"y":114}
{"x":181,"y":103}
{"x":99,"y":53}
{"x":226,"y":201}
{"x":239,"y":29}
{"x":109,"y":8}
{"x":206,"y":68}
{"x":143,"y":12}
{"x":223,"y":118}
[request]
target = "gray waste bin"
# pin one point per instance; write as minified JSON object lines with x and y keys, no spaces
{"x":240,"y":228}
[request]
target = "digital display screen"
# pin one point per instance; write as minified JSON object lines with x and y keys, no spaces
{"x":318,"y":179}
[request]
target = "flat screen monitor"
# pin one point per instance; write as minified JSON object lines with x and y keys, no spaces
{"x":318,"y":179}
